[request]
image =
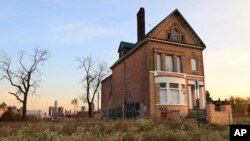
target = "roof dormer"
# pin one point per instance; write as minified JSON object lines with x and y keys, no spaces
{"x":124,"y":48}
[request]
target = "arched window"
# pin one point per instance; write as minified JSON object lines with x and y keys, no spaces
{"x":194,"y":64}
{"x":175,"y":34}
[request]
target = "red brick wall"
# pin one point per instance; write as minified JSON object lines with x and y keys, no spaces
{"x":106,"y":100}
{"x":136,"y":77}
{"x":137,"y":67}
{"x":117,"y":86}
{"x":219,"y":117}
{"x":186,"y":52}
{"x":135,"y":87}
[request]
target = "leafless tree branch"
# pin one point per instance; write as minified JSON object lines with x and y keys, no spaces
{"x":24,"y":79}
{"x":17,"y":96}
{"x":93,"y":75}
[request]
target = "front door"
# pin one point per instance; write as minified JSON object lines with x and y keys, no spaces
{"x":192,"y":97}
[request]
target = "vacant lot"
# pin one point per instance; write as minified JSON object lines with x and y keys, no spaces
{"x":119,"y":130}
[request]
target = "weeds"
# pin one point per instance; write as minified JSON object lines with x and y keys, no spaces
{"x":108,"y":130}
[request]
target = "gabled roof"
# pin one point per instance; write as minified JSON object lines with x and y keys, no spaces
{"x":125,"y":45}
{"x":149,"y":34}
{"x":182,"y":19}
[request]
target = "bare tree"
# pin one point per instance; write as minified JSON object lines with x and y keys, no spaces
{"x":24,"y":79}
{"x":74,"y":102}
{"x":93,"y":75}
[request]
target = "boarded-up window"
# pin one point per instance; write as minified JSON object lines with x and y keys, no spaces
{"x":175,"y":35}
{"x":194,"y":64}
{"x":173,"y":96}
{"x":172,"y":93}
{"x":169,"y":63}
{"x":179,"y":65}
{"x":174,"y":85}
{"x":158,"y":61}
{"x":163,"y":96}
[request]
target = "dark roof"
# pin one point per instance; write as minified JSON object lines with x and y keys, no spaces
{"x":182,"y":19}
{"x":125,"y":45}
{"x":135,"y":46}
{"x":124,"y":56}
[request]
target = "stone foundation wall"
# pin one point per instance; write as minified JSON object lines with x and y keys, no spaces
{"x":224,"y":116}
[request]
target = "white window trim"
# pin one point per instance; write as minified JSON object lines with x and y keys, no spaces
{"x":165,"y":88}
{"x":171,"y":104}
{"x":181,"y":99}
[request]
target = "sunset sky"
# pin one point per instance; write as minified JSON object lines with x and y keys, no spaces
{"x":70,"y":29}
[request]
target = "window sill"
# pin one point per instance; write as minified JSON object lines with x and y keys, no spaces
{"x":171,"y":104}
{"x":169,"y":71}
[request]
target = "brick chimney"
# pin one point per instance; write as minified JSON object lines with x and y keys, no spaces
{"x":140,"y":24}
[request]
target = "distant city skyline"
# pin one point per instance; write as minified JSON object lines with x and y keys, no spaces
{"x":73,"y":29}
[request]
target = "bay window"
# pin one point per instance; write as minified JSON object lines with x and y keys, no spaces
{"x":163,"y":93}
{"x":172,"y":94}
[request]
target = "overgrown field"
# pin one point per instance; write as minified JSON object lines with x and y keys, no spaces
{"x":119,"y":130}
{"x":242,"y":120}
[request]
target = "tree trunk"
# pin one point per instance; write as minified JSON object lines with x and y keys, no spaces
{"x":24,"y":107}
{"x":24,"y":111}
{"x":90,"y":110}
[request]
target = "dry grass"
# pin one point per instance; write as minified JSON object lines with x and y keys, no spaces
{"x":242,"y":120}
{"x":119,"y":130}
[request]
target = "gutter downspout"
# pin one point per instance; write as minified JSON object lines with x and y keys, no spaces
{"x":123,"y":91}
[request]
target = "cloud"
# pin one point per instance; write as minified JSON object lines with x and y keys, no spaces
{"x":78,"y":33}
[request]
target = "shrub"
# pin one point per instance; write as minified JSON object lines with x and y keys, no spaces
{"x":10,"y":116}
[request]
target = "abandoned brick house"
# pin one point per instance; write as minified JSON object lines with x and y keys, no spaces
{"x":158,"y":73}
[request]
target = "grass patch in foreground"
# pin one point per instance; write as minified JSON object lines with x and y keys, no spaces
{"x":242,"y":120}
{"x":108,"y":130}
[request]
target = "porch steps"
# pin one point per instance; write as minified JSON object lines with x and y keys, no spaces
{"x":193,"y":115}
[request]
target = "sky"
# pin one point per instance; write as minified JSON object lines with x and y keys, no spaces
{"x":72,"y":29}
